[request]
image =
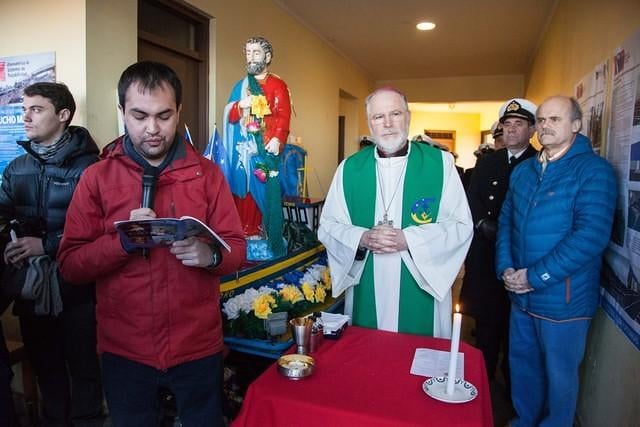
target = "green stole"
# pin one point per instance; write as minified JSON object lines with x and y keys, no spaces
{"x":422,"y":192}
{"x":272,"y":217}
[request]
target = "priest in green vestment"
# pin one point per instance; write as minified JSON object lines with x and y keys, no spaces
{"x":397,"y":226}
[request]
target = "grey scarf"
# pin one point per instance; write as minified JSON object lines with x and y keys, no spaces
{"x":46,"y":152}
{"x":41,"y":285}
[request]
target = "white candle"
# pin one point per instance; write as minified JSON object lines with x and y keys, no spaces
{"x":453,"y":354}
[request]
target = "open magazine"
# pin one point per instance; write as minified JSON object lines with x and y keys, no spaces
{"x":152,"y":233}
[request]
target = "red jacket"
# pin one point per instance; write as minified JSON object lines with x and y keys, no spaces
{"x":155,"y":310}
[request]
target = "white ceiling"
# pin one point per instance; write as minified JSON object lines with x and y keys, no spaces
{"x":472,"y":37}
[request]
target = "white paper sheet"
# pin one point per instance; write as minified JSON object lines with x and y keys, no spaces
{"x":435,"y":363}
{"x":333,"y":321}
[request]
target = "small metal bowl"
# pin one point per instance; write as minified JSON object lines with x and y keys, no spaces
{"x":296,"y":366}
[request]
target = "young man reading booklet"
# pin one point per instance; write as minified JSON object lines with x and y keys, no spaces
{"x":159,"y":321}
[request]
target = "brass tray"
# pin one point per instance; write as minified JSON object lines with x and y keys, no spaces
{"x":296,"y":366}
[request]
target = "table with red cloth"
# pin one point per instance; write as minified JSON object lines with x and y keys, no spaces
{"x":363,"y":379}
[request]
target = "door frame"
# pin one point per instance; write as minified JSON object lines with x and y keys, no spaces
{"x":201,"y":55}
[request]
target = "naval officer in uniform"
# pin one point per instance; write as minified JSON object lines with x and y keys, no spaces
{"x":483,"y":295}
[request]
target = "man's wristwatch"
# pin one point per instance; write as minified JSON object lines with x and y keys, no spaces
{"x":216,"y":257}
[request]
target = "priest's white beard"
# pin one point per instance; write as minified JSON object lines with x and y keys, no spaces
{"x":392,"y":143}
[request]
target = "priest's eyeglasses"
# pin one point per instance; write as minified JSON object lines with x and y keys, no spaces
{"x":395,"y":116}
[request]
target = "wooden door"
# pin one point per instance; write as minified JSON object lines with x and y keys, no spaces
{"x":176,"y":34}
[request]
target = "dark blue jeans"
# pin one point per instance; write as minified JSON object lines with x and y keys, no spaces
{"x":545,"y":358}
{"x":132,"y":391}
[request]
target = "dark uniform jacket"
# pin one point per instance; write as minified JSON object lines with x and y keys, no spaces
{"x":482,"y":292}
{"x":37,"y":193}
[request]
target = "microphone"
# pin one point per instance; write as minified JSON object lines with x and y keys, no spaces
{"x":149,"y":181}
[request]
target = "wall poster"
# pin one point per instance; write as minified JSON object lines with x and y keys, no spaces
{"x":16,"y":73}
{"x":591,"y":93}
{"x":621,"y":286}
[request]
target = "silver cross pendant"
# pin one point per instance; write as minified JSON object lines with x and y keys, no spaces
{"x":385,"y":221}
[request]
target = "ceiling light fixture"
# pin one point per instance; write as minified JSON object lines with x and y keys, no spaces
{"x":426,"y":26}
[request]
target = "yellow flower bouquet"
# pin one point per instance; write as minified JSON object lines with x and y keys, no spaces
{"x":259,"y":106}
{"x":296,"y":293}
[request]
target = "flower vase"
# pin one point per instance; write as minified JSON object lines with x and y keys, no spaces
{"x":276,"y":323}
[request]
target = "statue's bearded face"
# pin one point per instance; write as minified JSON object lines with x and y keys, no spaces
{"x":257,"y":60}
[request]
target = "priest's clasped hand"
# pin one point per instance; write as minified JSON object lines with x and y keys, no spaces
{"x":384,"y":239}
{"x":516,"y":281}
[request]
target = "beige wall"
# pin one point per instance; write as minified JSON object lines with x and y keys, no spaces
{"x":609,"y":393}
{"x":34,"y":26}
{"x":451,"y":89}
{"x":112,"y":45}
{"x":582,"y":34}
{"x":350,"y":108}
{"x":486,"y":112}
{"x":466,"y":126}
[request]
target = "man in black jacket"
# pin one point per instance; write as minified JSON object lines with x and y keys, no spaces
{"x":483,"y":296}
{"x":34,"y":196}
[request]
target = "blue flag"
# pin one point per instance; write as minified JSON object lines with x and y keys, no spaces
{"x":187,"y":134}
{"x":216,"y":153}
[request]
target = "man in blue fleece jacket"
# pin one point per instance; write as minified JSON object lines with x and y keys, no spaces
{"x":553,"y":228}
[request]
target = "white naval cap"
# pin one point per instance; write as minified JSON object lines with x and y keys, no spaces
{"x":496,"y":129}
{"x":520,"y":108}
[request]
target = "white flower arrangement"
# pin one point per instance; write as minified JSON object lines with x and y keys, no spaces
{"x":243,"y":302}
{"x":246,"y":311}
